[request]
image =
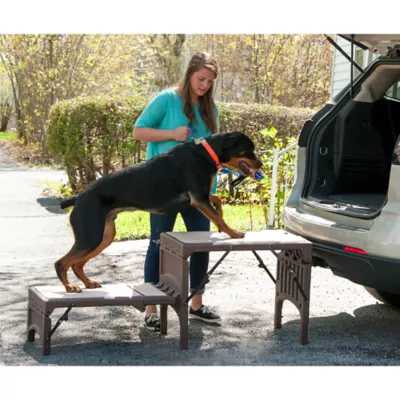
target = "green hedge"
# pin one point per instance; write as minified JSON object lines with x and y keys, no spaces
{"x":253,"y":118}
{"x":93,"y":136}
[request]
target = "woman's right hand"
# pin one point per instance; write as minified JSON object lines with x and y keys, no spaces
{"x":181,"y":133}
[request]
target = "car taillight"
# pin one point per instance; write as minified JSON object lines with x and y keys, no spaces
{"x":355,"y":250}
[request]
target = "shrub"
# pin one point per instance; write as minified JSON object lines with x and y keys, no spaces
{"x":93,"y":136}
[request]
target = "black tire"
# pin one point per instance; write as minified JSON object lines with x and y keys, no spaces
{"x":390,"y":299}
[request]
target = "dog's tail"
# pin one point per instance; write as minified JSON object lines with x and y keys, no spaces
{"x":67,"y":203}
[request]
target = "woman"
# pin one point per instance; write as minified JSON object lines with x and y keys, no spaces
{"x":163,"y":124}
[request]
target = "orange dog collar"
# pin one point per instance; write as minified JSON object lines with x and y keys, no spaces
{"x":210,"y":151}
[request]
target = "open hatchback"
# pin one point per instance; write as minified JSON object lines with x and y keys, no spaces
{"x":346,"y":198}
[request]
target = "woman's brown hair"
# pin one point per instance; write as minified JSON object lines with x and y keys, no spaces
{"x":206,"y":102}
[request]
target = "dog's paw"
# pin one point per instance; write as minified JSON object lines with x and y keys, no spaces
{"x":73,"y":288}
{"x":236,"y":234}
{"x":93,"y":284}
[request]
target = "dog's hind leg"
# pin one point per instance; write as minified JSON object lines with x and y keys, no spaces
{"x":88,"y":227}
{"x":78,"y":271}
{"x":62,"y":265}
{"x":108,"y":237}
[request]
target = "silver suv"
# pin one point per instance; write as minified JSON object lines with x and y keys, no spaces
{"x":346,"y":199}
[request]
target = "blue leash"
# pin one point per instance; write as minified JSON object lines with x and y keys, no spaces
{"x":257,"y":175}
{"x":190,"y":134}
{"x":240,"y":177}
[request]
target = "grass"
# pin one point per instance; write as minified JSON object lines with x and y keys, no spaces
{"x":6,"y":136}
{"x":136,"y":225}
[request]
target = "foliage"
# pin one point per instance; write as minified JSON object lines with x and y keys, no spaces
{"x":168,"y":53}
{"x":259,"y":193}
{"x":252,"y":118}
{"x":93,"y":136}
{"x":282,"y":69}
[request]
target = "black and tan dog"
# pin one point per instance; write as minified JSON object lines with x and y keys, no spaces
{"x":165,"y":184}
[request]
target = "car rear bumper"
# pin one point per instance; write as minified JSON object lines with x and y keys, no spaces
{"x":373,"y":271}
{"x":378,"y":237}
{"x":379,"y":268}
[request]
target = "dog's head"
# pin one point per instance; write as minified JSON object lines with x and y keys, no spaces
{"x":237,"y":150}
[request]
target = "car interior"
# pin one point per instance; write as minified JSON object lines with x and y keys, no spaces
{"x":351,"y":154}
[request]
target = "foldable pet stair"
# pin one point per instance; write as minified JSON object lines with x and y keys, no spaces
{"x":43,"y":300}
{"x":292,"y":282}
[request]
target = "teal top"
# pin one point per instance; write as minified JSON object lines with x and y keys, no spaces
{"x":165,"y":112}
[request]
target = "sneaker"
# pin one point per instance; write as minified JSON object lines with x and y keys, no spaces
{"x":152,"y":322}
{"x":205,"y":314}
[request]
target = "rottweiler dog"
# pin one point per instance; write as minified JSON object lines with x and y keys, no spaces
{"x":165,"y":184}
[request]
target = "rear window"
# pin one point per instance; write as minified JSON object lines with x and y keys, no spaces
{"x":394,"y":91}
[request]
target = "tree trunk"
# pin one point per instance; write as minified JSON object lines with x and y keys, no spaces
{"x":5,"y":113}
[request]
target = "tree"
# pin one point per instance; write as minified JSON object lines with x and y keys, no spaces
{"x":288,"y":70}
{"x":6,"y":100}
{"x":167,"y":50}
{"x":45,"y":69}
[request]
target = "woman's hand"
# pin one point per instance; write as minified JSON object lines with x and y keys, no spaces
{"x":181,"y":133}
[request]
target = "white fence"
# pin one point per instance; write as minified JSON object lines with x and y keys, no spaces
{"x":288,"y":178}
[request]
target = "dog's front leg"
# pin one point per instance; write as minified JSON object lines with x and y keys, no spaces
{"x":215,"y":200}
{"x":206,"y":208}
{"x":217,"y":203}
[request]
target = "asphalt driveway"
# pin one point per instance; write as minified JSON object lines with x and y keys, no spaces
{"x":347,"y":326}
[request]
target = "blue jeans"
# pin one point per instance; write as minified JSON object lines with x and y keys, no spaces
{"x":194,"y":221}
